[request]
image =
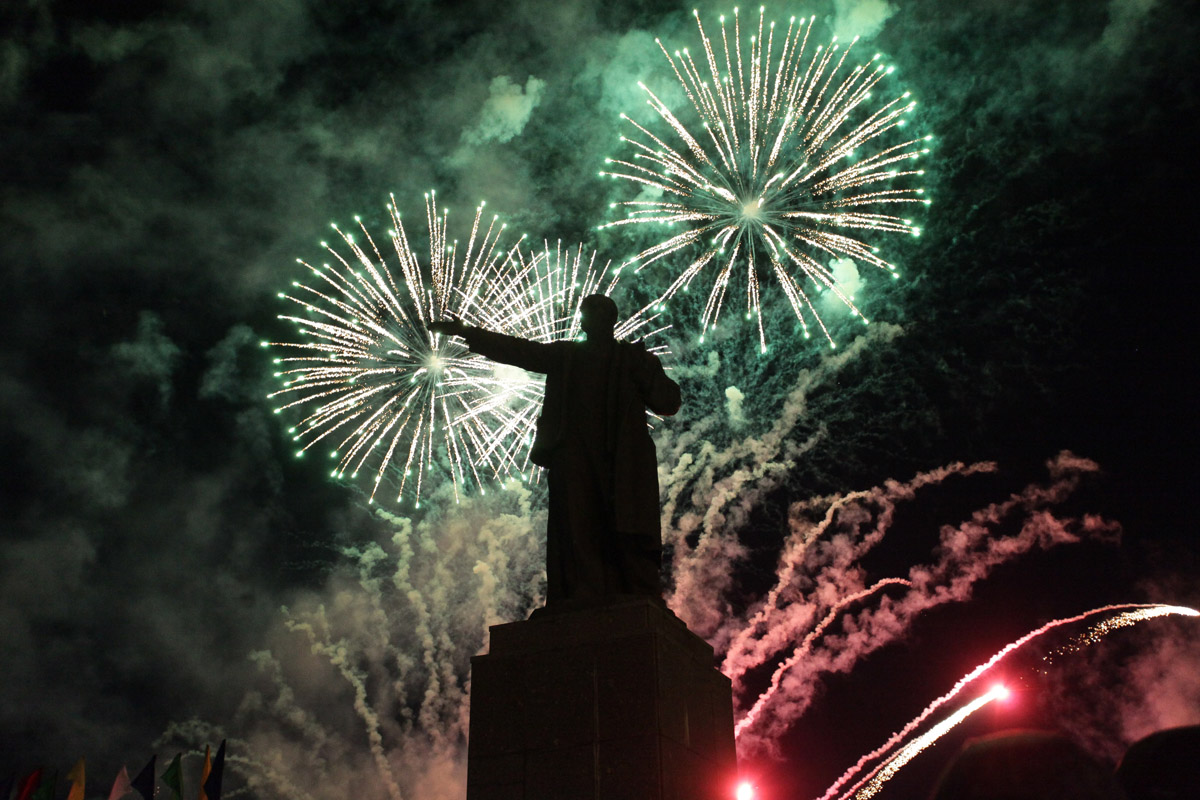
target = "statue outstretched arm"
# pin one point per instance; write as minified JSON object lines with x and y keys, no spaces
{"x":529,"y":356}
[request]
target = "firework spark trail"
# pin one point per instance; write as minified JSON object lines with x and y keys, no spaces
{"x":708,"y":492}
{"x":802,"y":649}
{"x":1131,"y":613}
{"x":772,"y":626}
{"x":339,"y":656}
{"x":372,"y":378}
{"x":1101,"y":629}
{"x":906,"y":754}
{"x":286,"y":706}
{"x":791,"y":165}
{"x":829,"y":563}
{"x":393,"y":631}
{"x":966,"y":554}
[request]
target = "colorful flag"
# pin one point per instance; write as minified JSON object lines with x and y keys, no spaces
{"x":173,"y":777}
{"x":144,"y":782}
{"x":212,"y":786}
{"x":46,"y":790}
{"x":76,"y":777}
{"x":28,"y":784}
{"x":121,"y":786}
{"x":204,"y":771}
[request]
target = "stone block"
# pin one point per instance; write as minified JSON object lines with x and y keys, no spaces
{"x":604,"y":703}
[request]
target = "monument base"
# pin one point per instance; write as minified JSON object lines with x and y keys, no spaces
{"x":618,"y":702}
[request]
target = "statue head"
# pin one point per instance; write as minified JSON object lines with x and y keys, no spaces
{"x":599,"y":316}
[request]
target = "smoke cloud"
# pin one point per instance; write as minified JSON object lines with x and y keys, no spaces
{"x":863,"y":18}
{"x":506,"y":111}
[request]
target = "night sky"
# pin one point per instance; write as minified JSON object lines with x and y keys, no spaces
{"x":172,"y":575}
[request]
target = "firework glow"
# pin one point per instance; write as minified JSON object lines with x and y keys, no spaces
{"x":375,"y":381}
{"x":385,"y":391}
{"x":910,"y":750}
{"x":1129,"y":614}
{"x":789,"y":161}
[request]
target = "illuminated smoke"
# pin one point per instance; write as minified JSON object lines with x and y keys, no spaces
{"x":819,"y":570}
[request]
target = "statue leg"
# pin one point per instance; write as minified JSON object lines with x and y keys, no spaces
{"x":575,"y":531}
{"x":637,"y":565}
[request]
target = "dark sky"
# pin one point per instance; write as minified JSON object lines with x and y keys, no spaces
{"x":171,"y":575}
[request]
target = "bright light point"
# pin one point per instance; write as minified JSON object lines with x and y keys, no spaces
{"x":264,"y":344}
{"x":1000,"y":692}
{"x":745,"y":791}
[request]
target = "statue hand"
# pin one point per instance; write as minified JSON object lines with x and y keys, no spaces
{"x":449,"y":326}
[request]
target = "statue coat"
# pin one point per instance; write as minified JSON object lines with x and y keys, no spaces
{"x":593,"y":438}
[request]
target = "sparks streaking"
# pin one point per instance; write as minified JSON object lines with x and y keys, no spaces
{"x":906,"y":754}
{"x":794,"y":164}
{"x":374,"y":381}
{"x":372,"y":376}
{"x":1129,"y":614}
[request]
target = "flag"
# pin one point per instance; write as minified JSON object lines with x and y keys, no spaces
{"x":28,"y":784}
{"x":212,"y":785}
{"x":46,"y":790}
{"x":144,"y":782}
{"x":76,"y":777}
{"x":204,"y":771}
{"x":173,"y":777}
{"x":121,"y":785}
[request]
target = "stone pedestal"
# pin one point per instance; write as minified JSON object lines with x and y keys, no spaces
{"x":620,"y":702}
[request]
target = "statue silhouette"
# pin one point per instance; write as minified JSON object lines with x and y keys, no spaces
{"x":603,"y":538}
